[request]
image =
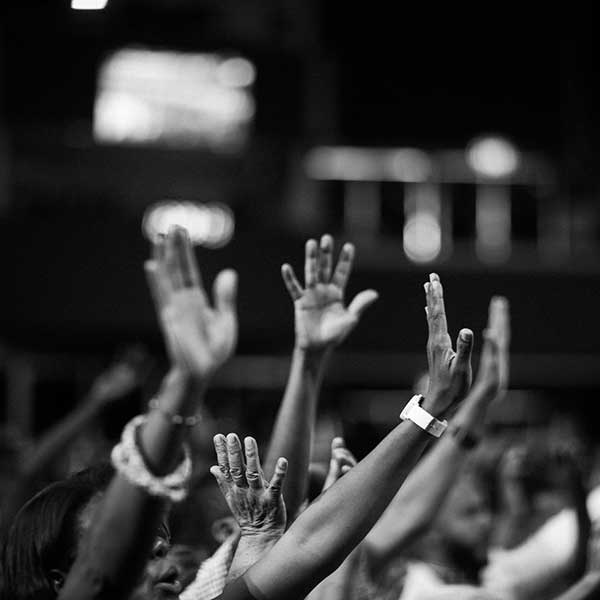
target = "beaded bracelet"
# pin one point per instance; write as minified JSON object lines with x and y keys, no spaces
{"x":127,"y":460}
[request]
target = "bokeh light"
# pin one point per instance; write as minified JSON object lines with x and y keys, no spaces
{"x":210,"y":225}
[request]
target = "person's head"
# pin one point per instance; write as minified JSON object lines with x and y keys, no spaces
{"x":44,"y":538}
{"x":464,"y":523}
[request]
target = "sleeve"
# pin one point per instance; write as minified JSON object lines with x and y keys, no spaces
{"x":238,"y":590}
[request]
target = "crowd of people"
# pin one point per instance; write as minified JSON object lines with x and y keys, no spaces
{"x":439,"y":508}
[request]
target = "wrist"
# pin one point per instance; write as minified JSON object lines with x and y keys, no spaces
{"x":312,"y":359}
{"x":436,"y":404}
{"x":181,"y":392}
{"x":260,"y":537}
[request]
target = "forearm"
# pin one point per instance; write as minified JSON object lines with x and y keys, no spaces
{"x":58,"y":437}
{"x":416,"y":503}
{"x":116,"y":548}
{"x":250,"y":549}
{"x":332,"y":526}
{"x":419,"y":499}
{"x":294,"y":426}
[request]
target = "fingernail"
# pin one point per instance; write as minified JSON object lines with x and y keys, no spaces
{"x":466,"y":335}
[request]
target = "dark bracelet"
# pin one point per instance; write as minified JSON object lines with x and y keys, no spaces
{"x":190,"y":421}
{"x":463,"y":437}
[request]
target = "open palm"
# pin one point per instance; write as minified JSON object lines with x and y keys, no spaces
{"x":321,"y":317}
{"x":199,"y":337}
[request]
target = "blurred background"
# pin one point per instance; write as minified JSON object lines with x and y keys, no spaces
{"x":464,"y":147}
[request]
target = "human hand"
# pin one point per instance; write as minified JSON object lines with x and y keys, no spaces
{"x":492,"y":376}
{"x":199,"y":338}
{"x":450,"y":372}
{"x":342,"y":460}
{"x":256,"y":504}
{"x":321,"y":318}
{"x":121,"y":377}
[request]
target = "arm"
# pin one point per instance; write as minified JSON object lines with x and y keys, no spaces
{"x":199,"y":338}
{"x":349,"y":574}
{"x":321,"y":323}
{"x":110,"y":386}
{"x":324,"y":534}
{"x":419,"y":499}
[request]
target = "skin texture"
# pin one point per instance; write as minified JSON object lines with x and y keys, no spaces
{"x":256,"y":504}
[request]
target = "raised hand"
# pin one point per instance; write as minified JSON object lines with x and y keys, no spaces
{"x":450,"y":372}
{"x":120,"y":378}
{"x":492,"y":376}
{"x":199,"y":338}
{"x":256,"y":504}
{"x":342,"y":460}
{"x":322,"y":319}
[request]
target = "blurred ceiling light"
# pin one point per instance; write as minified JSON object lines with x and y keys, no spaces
{"x":236,"y":72}
{"x":407,"y":164}
{"x":88,"y":4}
{"x":343,"y":163}
{"x":493,"y":223}
{"x":350,"y":163}
{"x":185,"y":99}
{"x":422,"y":238}
{"x":210,"y":225}
{"x":422,"y":235}
{"x":493,"y":157}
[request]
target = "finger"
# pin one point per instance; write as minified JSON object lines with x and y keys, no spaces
{"x":291,"y":282}
{"x":325,"y":258}
{"x":158,"y":284}
{"x":254,"y":475}
{"x":187,"y":260}
{"x":222,"y":482}
{"x":500,"y":324}
{"x":500,"y":319}
{"x":343,"y":456}
{"x":158,"y":248}
{"x":344,"y":266}
{"x":310,"y":264}
{"x":172,"y":263}
{"x":337,"y":442}
{"x":436,"y":308}
{"x":362,"y":301}
{"x":237,"y":468}
{"x":464,"y":349}
{"x":225,"y":292}
{"x":333,"y":474}
{"x":427,"y":288}
{"x":276,"y":483}
{"x":221,"y":449}
{"x":489,"y":355}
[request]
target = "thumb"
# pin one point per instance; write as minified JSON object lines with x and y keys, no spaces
{"x":362,"y":301}
{"x":464,"y":348}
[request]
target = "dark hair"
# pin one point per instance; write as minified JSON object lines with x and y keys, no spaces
{"x":45,"y":533}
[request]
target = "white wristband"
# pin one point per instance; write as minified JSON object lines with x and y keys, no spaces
{"x":420,"y":417}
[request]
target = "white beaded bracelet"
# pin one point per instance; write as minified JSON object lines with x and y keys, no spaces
{"x":127,"y":460}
